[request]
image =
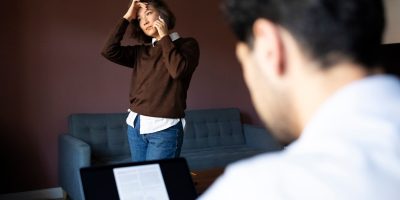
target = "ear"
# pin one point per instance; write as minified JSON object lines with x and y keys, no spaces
{"x":268,"y":47}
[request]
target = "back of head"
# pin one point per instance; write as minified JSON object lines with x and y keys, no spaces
{"x":328,"y":30}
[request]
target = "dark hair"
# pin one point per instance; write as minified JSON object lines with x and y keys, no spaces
{"x":328,"y":30}
{"x":165,"y":13}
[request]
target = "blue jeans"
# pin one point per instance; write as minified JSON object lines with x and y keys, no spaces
{"x":155,"y":146}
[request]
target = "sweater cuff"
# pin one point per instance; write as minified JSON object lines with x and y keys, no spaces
{"x":124,"y":21}
{"x":166,"y":42}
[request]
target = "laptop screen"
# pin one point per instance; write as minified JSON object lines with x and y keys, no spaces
{"x":159,"y":179}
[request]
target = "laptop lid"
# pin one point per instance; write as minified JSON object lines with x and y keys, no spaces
{"x":159,"y":179}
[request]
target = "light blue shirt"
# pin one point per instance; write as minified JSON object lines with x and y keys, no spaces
{"x":349,"y":150}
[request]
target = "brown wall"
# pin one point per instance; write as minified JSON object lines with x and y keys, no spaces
{"x":51,"y":67}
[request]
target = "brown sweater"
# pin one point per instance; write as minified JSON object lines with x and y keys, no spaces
{"x":160,"y":75}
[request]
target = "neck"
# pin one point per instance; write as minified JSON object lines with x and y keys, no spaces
{"x":317,"y":86}
{"x":309,"y":86}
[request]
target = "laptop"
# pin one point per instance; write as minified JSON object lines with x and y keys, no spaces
{"x":168,"y":179}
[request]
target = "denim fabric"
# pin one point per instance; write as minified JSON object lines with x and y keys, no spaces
{"x":154,"y":146}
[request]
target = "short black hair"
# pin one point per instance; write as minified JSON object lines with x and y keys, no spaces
{"x":165,"y":13}
{"x":326,"y":29}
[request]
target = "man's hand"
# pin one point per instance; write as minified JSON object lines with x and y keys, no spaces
{"x":161,"y":27}
{"x":131,"y":14}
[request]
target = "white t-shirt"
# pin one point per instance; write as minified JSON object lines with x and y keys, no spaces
{"x":152,"y":124}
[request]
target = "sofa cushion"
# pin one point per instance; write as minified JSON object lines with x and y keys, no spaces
{"x":110,"y":160}
{"x":105,"y":133}
{"x":212,"y":128}
{"x":218,"y":156}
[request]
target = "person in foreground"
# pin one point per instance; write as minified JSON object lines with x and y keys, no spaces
{"x":162,"y":67}
{"x":312,"y":70}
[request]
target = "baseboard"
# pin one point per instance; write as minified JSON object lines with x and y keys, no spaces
{"x":45,"y":194}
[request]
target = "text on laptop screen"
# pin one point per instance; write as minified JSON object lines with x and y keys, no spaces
{"x":140,"y":182}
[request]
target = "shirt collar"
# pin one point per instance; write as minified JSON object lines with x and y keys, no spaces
{"x":338,"y":112}
{"x":174,"y":36}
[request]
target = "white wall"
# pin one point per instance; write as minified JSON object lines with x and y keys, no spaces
{"x":392,"y":34}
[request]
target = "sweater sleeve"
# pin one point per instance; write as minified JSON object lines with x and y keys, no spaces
{"x":181,"y":60}
{"x":113,"y":51}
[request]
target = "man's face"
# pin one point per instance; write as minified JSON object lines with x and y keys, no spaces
{"x":271,"y":100}
{"x":147,"y":16}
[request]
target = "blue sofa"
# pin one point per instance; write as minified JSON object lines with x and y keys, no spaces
{"x":216,"y":137}
{"x":213,"y":138}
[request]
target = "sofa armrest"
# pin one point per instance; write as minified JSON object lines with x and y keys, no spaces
{"x":260,"y":138}
{"x":73,"y":154}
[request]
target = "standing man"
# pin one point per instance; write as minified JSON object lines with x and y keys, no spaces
{"x":162,"y":67}
{"x":312,"y":70}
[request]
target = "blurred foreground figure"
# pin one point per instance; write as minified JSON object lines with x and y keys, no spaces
{"x":312,"y":70}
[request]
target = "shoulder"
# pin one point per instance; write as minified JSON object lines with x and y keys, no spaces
{"x":270,"y":176}
{"x":187,"y":41}
{"x":247,"y":179}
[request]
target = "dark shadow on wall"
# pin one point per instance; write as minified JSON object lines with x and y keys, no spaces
{"x":10,"y":91}
{"x":11,"y":87}
{"x":21,"y":161}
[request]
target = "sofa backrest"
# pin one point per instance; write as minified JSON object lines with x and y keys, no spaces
{"x":105,"y":133}
{"x":205,"y":128}
{"x":209,"y":128}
